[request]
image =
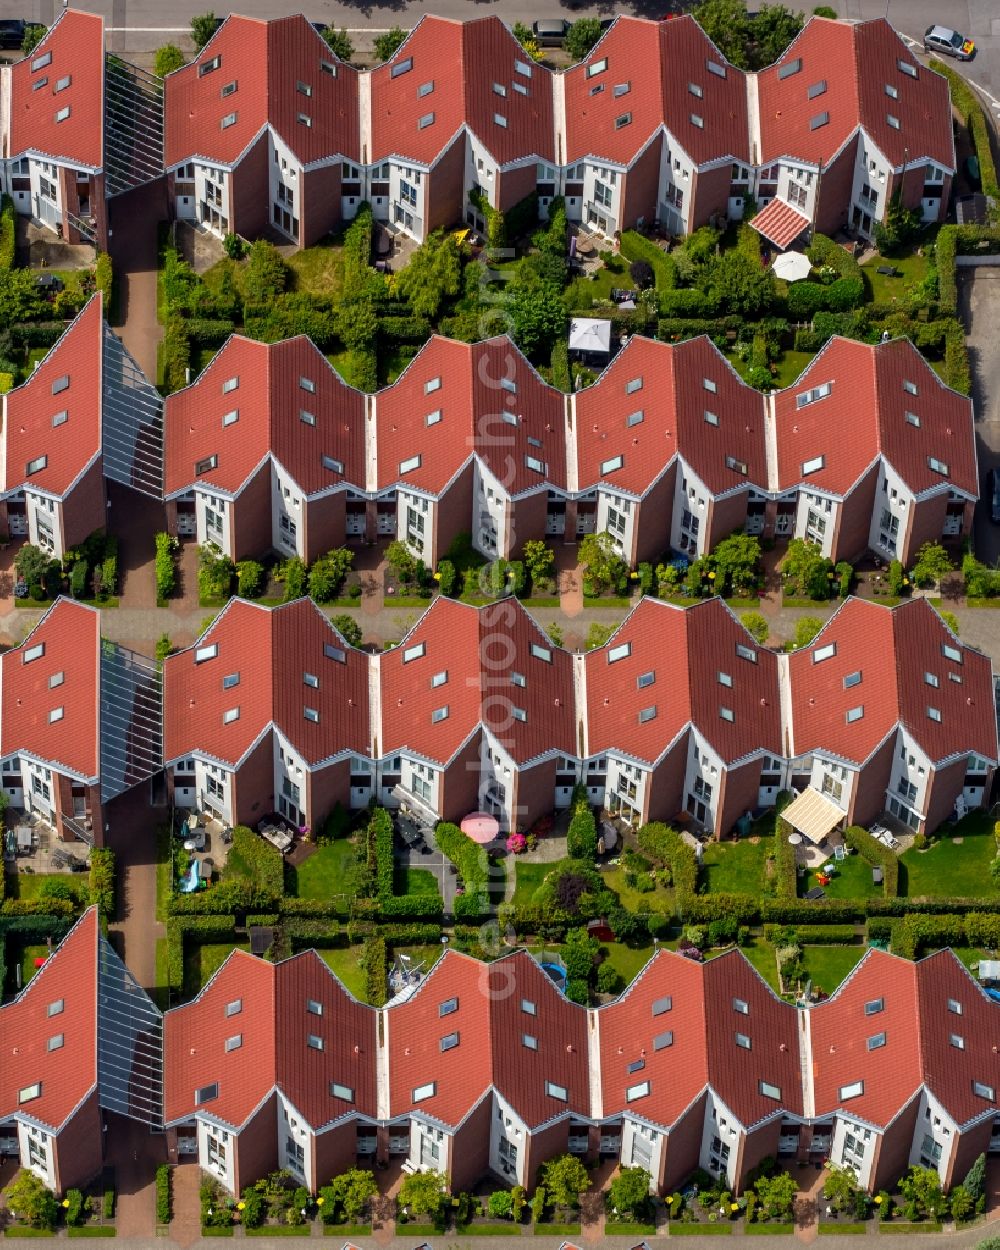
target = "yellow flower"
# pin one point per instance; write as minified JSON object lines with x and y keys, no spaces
{"x":241,"y":1206}
{"x":65,"y":1202}
{"x":734,"y":1206}
{"x":320,"y":1201}
{"x":877,"y":1200}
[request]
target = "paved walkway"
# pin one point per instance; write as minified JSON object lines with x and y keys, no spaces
{"x":133,"y":222}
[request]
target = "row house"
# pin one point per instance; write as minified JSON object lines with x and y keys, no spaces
{"x":489,"y":1069}
{"x":52,"y":109}
{"x":653,"y":125}
{"x":85,"y":414}
{"x":845,"y":121}
{"x":262,"y":133}
{"x":84,"y":1040}
{"x":669,"y":450}
{"x":914,"y":735}
{"x":266,"y":451}
{"x":267,"y":711}
{"x":907,"y":472}
{"x":506,"y":722}
{"x":80,"y":722}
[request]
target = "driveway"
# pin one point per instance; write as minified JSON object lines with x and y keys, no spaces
{"x":979,"y":308}
{"x":133,"y":219}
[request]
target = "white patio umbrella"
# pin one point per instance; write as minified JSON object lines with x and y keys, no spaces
{"x":792,"y":266}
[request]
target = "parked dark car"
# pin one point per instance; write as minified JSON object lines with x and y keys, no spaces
{"x":549,"y":32}
{"x":11,"y":32}
{"x":995,"y":496}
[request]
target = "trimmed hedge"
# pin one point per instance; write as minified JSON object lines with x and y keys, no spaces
{"x":102,"y":881}
{"x":208,"y":331}
{"x":166,"y":568}
{"x":873,"y":852}
{"x":667,"y":849}
{"x":7,"y":243}
{"x":164,"y":1193}
{"x":785,"y":871}
{"x":373,"y":964}
{"x":967,"y":103}
{"x":267,"y":868}
{"x":581,"y":836}
{"x":635,"y":246}
{"x":817,"y":934}
{"x":206,"y":928}
{"x":470,"y":860}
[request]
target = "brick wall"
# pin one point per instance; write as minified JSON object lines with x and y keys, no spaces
{"x":651,"y":530}
{"x":514,"y":185}
{"x":540,"y":1147}
{"x":680,"y":1152}
{"x":78,"y":1149}
{"x":724,"y":516}
{"x":250,"y":533}
{"x":319,"y":203}
{"x":969,"y":1145}
{"x":255,"y":1146}
{"x":527,"y":521}
{"x":334,"y":1151}
{"x":739,"y":791}
{"x":709,"y":194}
{"x":325,"y":787}
{"x":665,"y":789}
{"x":453,"y":516}
{"x":926,"y":521}
{"x":893,"y":1157}
{"x":854,"y":518}
{"x":642,"y":182}
{"x":84,"y":508}
{"x":833,"y":203}
{"x":868,"y":801}
{"x":459,"y":786}
{"x":253,"y":784}
{"x":943,"y":787}
{"x":470,"y":1147}
{"x":250,"y":192}
{"x":323,"y":525}
{"x":444,"y":196}
{"x":533,"y":793}
{"x":758,"y":1144}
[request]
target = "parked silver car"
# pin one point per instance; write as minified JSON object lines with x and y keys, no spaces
{"x":948,"y":42}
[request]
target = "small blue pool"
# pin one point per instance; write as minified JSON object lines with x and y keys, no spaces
{"x":557,"y":973}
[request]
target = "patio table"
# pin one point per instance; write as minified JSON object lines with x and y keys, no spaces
{"x":23,"y":837}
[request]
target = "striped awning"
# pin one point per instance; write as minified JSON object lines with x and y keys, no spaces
{"x":813,"y":814}
{"x":780,"y":223}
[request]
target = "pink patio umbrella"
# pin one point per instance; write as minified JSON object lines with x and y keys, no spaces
{"x":481,"y":827}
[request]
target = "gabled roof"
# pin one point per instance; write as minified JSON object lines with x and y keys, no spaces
{"x":51,"y":697}
{"x":266,"y":60}
{"x":842,"y":1031}
{"x":67,"y":1073}
{"x":249,"y":403}
{"x":270,"y":650}
{"x":54,"y":418}
{"x":490,"y":1019}
{"x":684,"y":650}
{"x":892,"y":649}
{"x":832,"y":80}
{"x":70,"y":76}
{"x":655,"y":62}
{"x":461,"y":61}
{"x":477,"y":650}
{"x":885,"y":399}
{"x":780,"y":223}
{"x":275,"y":1017}
{"x":483,"y":398}
{"x":654,"y":402}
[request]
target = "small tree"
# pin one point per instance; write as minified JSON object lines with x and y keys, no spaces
{"x":950,"y":619}
{"x":352,"y":1190}
{"x":900,"y":227}
{"x":401,"y":561}
{"x":389,"y":42}
{"x":31,"y":564}
{"x":922,"y":1187}
{"x":756,"y":624}
{"x":348,"y":628}
{"x":776,"y":1194}
{"x":628,"y":1193}
{"x":582,"y":36}
{"x":840,"y":1187}
{"x":28,"y":1197}
{"x":932,"y":563}
{"x":295,"y":575}
{"x":539,"y":560}
{"x":565,"y":1178}
{"x":598,"y":634}
{"x":806,"y":629}
{"x":339,"y":43}
{"x":975,"y":1180}
{"x":423,"y":1193}
{"x":168,"y":58}
{"x":33,"y":36}
{"x":737,"y":560}
{"x":603,"y":567}
{"x":524,"y":36}
{"x":203,"y":28}
{"x":500,"y":1204}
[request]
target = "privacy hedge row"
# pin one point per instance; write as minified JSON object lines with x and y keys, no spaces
{"x":304,"y":933}
{"x":470,"y":860}
{"x":373,"y":964}
{"x":264,"y":861}
{"x":205,"y":928}
{"x":7,"y":220}
{"x":667,"y":849}
{"x":816,"y":934}
{"x":102,"y":881}
{"x":967,"y":103}
{"x":786,"y":880}
{"x":635,"y":246}
{"x":873,"y":852}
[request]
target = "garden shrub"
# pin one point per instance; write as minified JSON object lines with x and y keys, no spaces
{"x":108,"y":1205}
{"x":263,"y":861}
{"x":295,"y":575}
{"x":164,"y":1187}
{"x":373,"y":964}
{"x":7,"y":232}
{"x":688,"y":302}
{"x":176,"y":354}
{"x":581,"y":836}
{"x":102,"y":880}
{"x":470,"y":860}
{"x":208,"y":331}
{"x":215,"y":573}
{"x":249,"y":578}
{"x":166,"y":572}
{"x":447,"y":575}
{"x":78,"y":579}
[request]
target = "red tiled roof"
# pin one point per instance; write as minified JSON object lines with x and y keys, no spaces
{"x":70,"y":634}
{"x":269,"y":400}
{"x":949,"y":1071}
{"x":267,"y":60}
{"x":478,"y":648}
{"x":474,"y":408}
{"x":869,"y":403}
{"x":273,"y":1022}
{"x":856,"y":61}
{"x":270,"y":649}
{"x":840,"y":1031}
{"x":69,"y":1073}
{"x":76,"y":44}
{"x":657,"y":60}
{"x":30,"y":429}
{"x":780,"y":223}
{"x":700,"y":642}
{"x":490,"y":1022}
{"x":673,"y":401}
{"x":462,"y":61}
{"x":865,"y":635}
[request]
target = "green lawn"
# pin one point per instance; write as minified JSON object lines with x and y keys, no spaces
{"x":950,"y":869}
{"x":828,"y":965}
{"x":28,"y":885}
{"x":791,"y":365}
{"x":734,"y":867}
{"x":529,"y":877}
{"x":415,"y":881}
{"x":200,"y":962}
{"x":971,"y":955}
{"x":853,"y":879}
{"x":599,"y":287}
{"x":164,"y":870}
{"x":761,"y":955}
{"x":326,"y":872}
{"x":628,"y":960}
{"x":881,"y":289}
{"x":348,"y":366}
{"x":28,"y":956}
{"x":661,"y":899}
{"x":317,"y":270}
{"x":344,"y":961}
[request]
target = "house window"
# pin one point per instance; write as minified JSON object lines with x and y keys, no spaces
{"x":934,"y":713}
{"x":229,"y":89}
{"x":314,"y":1041}
{"x":770,"y":1091}
{"x":634,"y":418}
{"x":439,"y":714}
{"x":415,"y":652}
{"x":855,"y":713}
{"x":55,"y":1008}
{"x":892,"y":121}
{"x":408,"y":465}
{"x":625,"y":119}
{"x":344,"y":1092}
{"x":820,"y":120}
{"x":334,"y":653}
{"x":876,"y":1041}
{"x":937,"y":466}
{"x":854,"y":1090}
{"x":449,"y":1041}
{"x":634,"y":1092}
{"x":541,"y":653}
{"x":597,"y":67}
{"x":698,"y":121}
{"x":726,"y":713}
{"x":790,"y":67}
{"x":746,"y":653}
{"x":621,"y":88}
{"x":528,"y":1007}
{"x":227,"y":121}
{"x":55,"y":1042}
{"x":556,"y":1091}
{"x":931,"y":679}
{"x":426,"y":120}
{"x":531,"y":1043}
{"x":957,"y":1041}
{"x":711,"y":417}
{"x":743,"y":1041}
{"x":422,"y":1092}
{"x":40,"y":62}
{"x":206,"y":465}
{"x":984,"y":1091}
{"x":439,"y":679}
{"x":448,"y":1007}
{"x":208,"y":67}
{"x":715,"y":68}
{"x":662,"y":1040}
{"x":738,"y":466}
{"x":401,"y":67}
{"x":695,"y":90}
{"x":30,"y":1092}
{"x":57,"y":679}
{"x":951,"y":653}
{"x":334,"y":466}
{"x":230,"y":418}
{"x":235,"y":1007}
{"x":610,"y":466}
{"x":874,"y":1006}
{"x":954,"y":1006}
{"x":55,"y":715}
{"x":63,"y":114}
{"x":307,"y":418}
{"x":207,"y":1093}
{"x":206,"y":653}
{"x":645,"y":679}
{"x":741,"y":1007}
{"x":817,"y":89}
{"x":907,"y":67}
{"x":310,"y":679}
{"x":662,"y":1005}
{"x":234,"y":1043}
{"x":852,"y":679}
{"x":433,"y":418}
{"x":60,"y":418}
{"x":813,"y":466}
{"x":230,"y":715}
{"x":36,"y":465}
